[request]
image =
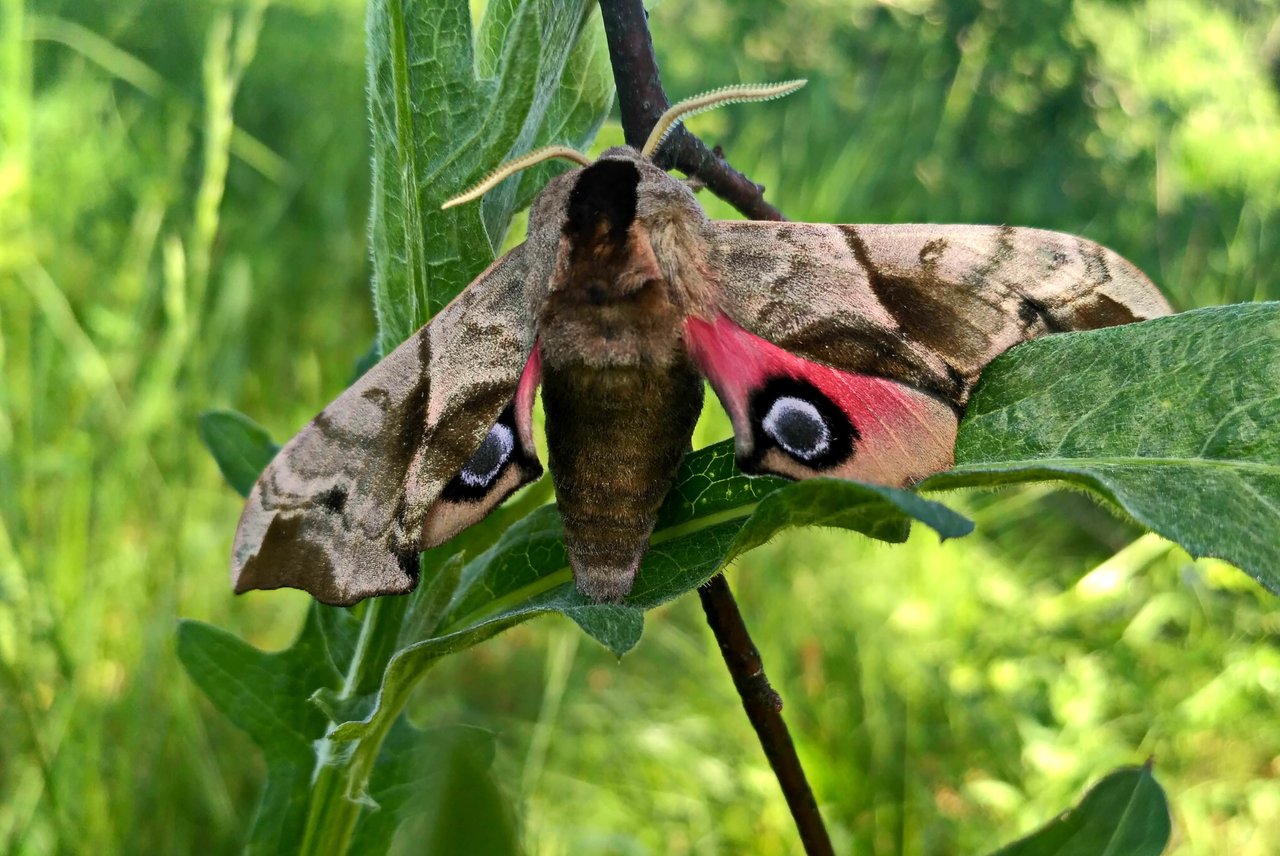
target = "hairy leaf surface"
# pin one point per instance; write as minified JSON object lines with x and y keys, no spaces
{"x":1175,"y":420}
{"x":444,"y":114}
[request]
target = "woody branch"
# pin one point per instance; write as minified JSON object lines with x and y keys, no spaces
{"x":642,"y":100}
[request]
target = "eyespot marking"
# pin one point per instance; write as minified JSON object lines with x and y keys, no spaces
{"x":798,"y":427}
{"x":489,"y":459}
{"x":796,"y":417}
{"x":490,"y":465}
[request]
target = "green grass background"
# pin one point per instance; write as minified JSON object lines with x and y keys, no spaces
{"x":183,"y":197}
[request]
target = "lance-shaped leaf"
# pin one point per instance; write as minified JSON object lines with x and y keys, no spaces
{"x":1175,"y":420}
{"x":241,"y":447}
{"x":443,"y":115}
{"x":1125,"y":814}
{"x":435,"y":795}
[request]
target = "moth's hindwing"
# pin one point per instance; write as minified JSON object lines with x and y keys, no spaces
{"x":422,"y":445}
{"x":797,"y":418}
{"x":851,"y":351}
{"x":505,"y":460}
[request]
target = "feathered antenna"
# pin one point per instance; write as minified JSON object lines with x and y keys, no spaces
{"x":715,"y":98}
{"x":511,"y":167}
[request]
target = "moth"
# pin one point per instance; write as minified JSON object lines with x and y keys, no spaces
{"x":845,"y":351}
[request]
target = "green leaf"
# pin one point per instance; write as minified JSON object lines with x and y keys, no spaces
{"x":429,"y":601}
{"x":1125,"y":814}
{"x":1175,"y":420}
{"x":417,"y":774}
{"x":713,"y":515}
{"x":443,"y":116}
{"x":587,"y":86}
{"x":447,"y":796}
{"x":265,"y":695}
{"x":241,"y":447}
{"x":340,"y":629}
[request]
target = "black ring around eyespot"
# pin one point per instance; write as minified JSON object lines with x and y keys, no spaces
{"x":842,"y":434}
{"x":462,"y":489}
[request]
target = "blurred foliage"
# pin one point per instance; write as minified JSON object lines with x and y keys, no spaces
{"x":183,"y":208}
{"x":1150,"y":127}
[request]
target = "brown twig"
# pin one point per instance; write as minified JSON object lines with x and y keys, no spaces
{"x":764,"y":709}
{"x":642,"y":100}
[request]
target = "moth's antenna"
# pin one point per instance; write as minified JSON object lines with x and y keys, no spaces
{"x":715,"y":98}
{"x":511,"y":167}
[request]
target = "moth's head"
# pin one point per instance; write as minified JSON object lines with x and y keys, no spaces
{"x":603,"y":200}
{"x":605,"y":196}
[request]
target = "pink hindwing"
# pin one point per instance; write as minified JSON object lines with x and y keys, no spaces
{"x":799,"y":419}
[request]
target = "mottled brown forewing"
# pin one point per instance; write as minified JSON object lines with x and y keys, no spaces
{"x":926,"y":305}
{"x":339,"y":511}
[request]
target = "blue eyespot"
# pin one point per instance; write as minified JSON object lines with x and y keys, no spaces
{"x":793,"y":416}
{"x":797,"y":427}
{"x":489,"y":459}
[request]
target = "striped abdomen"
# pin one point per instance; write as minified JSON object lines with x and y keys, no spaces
{"x":615,"y":438}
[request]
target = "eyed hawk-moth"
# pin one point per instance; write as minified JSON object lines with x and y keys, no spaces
{"x":846,"y":351}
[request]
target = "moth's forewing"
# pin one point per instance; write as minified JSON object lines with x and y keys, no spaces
{"x":323,"y":517}
{"x":341,"y":510}
{"x":852,"y":350}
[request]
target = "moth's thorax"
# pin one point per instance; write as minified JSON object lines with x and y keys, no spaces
{"x":626,"y":275}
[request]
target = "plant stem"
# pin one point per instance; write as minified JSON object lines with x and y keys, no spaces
{"x":331,"y":817}
{"x":342,"y":771}
{"x":764,"y":708}
{"x":642,"y":100}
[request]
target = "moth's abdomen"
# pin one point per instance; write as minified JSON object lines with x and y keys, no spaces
{"x":615,"y":439}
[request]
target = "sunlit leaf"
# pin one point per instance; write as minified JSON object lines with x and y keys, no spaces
{"x":444,"y":115}
{"x":266,"y":696}
{"x":1174,"y":420}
